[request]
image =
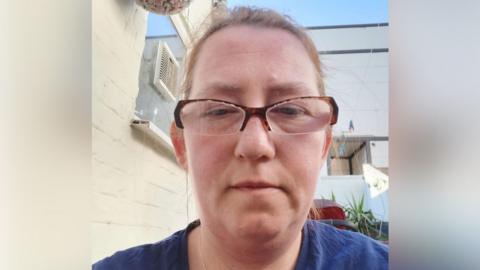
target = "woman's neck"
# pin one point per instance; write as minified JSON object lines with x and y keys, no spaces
{"x":208,"y":252}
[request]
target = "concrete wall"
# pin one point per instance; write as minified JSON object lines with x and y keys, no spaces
{"x":139,"y":193}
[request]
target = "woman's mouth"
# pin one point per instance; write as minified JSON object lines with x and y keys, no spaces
{"x":250,"y":186}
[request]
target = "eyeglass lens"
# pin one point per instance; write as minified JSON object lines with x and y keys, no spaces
{"x":296,"y":116}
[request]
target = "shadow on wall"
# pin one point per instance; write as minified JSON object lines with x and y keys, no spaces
{"x":125,"y":3}
{"x":143,"y":138}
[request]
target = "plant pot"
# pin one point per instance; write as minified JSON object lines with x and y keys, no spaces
{"x":164,"y":7}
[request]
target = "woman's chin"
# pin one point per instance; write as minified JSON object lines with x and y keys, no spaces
{"x":258,"y":227}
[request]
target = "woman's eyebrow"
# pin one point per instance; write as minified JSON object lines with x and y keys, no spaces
{"x":272,"y":91}
{"x":220,"y":88}
{"x":291,"y":88}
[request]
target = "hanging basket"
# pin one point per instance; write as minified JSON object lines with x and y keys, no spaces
{"x":164,"y":7}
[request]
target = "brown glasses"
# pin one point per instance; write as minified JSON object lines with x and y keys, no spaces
{"x":291,"y":116}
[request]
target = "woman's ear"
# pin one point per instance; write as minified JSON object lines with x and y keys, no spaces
{"x":179,"y":145}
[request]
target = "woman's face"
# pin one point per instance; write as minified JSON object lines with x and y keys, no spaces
{"x":254,"y":183}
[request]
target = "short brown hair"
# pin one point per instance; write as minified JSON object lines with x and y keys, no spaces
{"x":255,"y":17}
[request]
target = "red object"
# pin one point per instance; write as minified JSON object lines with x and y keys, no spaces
{"x":332,"y":213}
{"x":329,"y":209}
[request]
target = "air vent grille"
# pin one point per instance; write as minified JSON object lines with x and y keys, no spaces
{"x":166,"y":72}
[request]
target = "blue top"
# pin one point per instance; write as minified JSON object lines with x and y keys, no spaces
{"x":323,"y":247}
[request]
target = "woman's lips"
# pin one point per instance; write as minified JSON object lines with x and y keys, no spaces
{"x":255,"y":186}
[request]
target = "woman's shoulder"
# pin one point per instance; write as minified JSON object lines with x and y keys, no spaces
{"x":160,"y":255}
{"x":342,"y":249}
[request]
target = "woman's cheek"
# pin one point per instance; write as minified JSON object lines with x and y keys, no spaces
{"x":208,"y":156}
{"x":308,"y":162}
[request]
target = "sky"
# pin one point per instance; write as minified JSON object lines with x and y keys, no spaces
{"x":306,"y":12}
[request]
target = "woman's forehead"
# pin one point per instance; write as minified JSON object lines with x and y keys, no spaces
{"x":245,"y":39}
{"x":241,"y":57}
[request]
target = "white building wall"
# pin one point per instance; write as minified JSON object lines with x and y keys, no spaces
{"x":343,"y":186}
{"x":358,"y":81}
{"x":139,"y":192}
{"x":379,"y":150}
{"x":350,"y":38}
{"x":347,"y":186}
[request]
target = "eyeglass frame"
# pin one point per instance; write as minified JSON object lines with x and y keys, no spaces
{"x":251,"y":111}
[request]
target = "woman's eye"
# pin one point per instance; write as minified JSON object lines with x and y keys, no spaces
{"x":219,"y":112}
{"x":289,"y":111}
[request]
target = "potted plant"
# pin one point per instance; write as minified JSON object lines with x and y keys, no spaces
{"x":365,"y":220}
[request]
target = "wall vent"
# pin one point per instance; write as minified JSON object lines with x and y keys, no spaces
{"x":166,"y":71}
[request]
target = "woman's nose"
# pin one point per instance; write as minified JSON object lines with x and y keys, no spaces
{"x":254,"y":142}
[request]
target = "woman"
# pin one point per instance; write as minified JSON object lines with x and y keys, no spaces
{"x":253,"y":132}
